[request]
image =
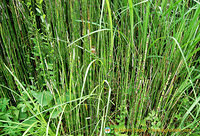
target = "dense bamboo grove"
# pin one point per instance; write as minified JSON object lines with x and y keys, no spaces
{"x":75,"y":67}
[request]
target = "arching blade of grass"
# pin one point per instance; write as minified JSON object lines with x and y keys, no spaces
{"x":189,"y":111}
{"x":185,"y":64}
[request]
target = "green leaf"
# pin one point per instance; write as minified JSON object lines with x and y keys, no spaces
{"x":30,"y":121}
{"x":22,"y":115}
{"x":5,"y":116}
{"x":15,"y":111}
{"x":22,"y":107}
{"x":3,"y":104}
{"x":56,"y":113}
{"x":43,"y":98}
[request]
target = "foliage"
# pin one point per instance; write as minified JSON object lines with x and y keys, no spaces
{"x":74,"y":67}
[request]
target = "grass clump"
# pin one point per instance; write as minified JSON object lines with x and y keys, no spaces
{"x":76,"y":67}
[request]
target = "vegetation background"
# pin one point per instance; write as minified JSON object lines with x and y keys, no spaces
{"x":74,"y":67}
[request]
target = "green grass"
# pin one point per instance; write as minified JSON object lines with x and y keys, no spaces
{"x":75,"y":67}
